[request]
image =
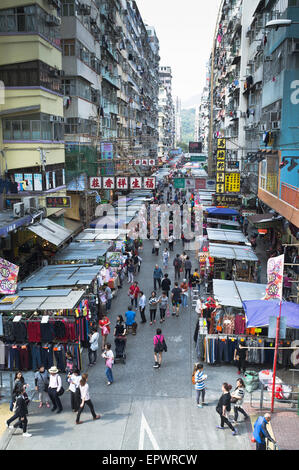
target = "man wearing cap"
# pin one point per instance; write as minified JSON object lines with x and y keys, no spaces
{"x":55,"y":385}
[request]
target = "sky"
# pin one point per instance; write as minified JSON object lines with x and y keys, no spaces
{"x":185,"y":29}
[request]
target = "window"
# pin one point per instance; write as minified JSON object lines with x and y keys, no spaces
{"x":68,"y":47}
{"x":16,"y":130}
{"x":263,"y":174}
{"x":68,"y":8}
{"x":26,"y":130}
{"x":35,"y":129}
{"x":69,"y":87}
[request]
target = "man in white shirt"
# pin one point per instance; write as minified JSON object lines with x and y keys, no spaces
{"x":142,"y":305}
{"x":55,"y":384}
{"x":93,"y":347}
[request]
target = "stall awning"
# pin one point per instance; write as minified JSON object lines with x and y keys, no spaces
{"x":239,"y":253}
{"x":258,"y":312}
{"x":221,"y":211}
{"x":53,"y":233}
{"x":265,"y":220}
{"x":82,"y":252}
{"x":232,"y":223}
{"x":233,"y":293}
{"x":232,"y":236}
{"x":44,"y":302}
{"x":59,"y":276}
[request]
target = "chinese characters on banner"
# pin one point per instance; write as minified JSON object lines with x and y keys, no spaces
{"x":275,"y":268}
{"x":8,"y":277}
{"x":120,"y":182}
{"x":232,"y":183}
{"x":220,"y":166}
{"x":226,"y":200}
{"x":144,"y":162}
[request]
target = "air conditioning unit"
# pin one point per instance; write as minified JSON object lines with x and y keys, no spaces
{"x":19,"y":209}
{"x":30,"y":203}
{"x":52,"y":118}
{"x":275,"y":124}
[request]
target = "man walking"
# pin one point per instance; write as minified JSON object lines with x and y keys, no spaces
{"x":177,"y":263}
{"x":142,"y":305}
{"x":165,"y":284}
{"x":260,"y":432}
{"x":158,"y":274}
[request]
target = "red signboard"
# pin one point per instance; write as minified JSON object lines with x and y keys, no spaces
{"x":200,"y":183}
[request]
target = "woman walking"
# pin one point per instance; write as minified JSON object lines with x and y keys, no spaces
{"x":41,"y":379}
{"x":109,"y":361}
{"x":184,"y":295}
{"x":153,"y":303}
{"x":104,"y":325}
{"x":165,"y":258}
{"x":163,"y":304}
{"x":142,"y":305}
{"x":54,"y":389}
{"x":241,"y":356}
{"x":159,"y":347}
{"x":224,"y":406}
{"x":19,"y":382}
{"x":85,"y":398}
{"x":200,"y":385}
{"x":237,"y":400}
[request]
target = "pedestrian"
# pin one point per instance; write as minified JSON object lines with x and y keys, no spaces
{"x":241,"y":356}
{"x":200,"y":385}
{"x":165,"y":284}
{"x":153,"y":303}
{"x":93,"y":346}
{"x":170,"y":242}
{"x":238,"y":398}
{"x":18,"y":384}
{"x":108,"y":293}
{"x":109,"y":361}
{"x":104,"y":325}
{"x":188,"y":267}
{"x":41,"y":379}
{"x":163,"y":304}
{"x":120,"y":337}
{"x":55,"y":389}
{"x":165,"y":257}
{"x":130,"y":272}
{"x":121,"y":276}
{"x":139,"y":263}
{"x":130,"y":319}
{"x":85,"y":398}
{"x":224,"y":406}
{"x":69,"y":362}
{"x":177,"y":263}
{"x":74,"y":382}
{"x":159,"y":347}
{"x":195,"y":280}
{"x":135,"y":262}
{"x":142,"y":305}
{"x":133,"y":293}
{"x":157,"y":275}
{"x":184,"y":296}
{"x":260,"y":432}
{"x":21,"y":413}
{"x":176,"y":299}
{"x":157,"y":244}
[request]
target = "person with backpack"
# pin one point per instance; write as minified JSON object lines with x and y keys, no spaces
{"x":20,"y":413}
{"x":200,"y":384}
{"x":41,"y":379}
{"x":177,"y":263}
{"x":159,"y":347}
{"x":224,"y":406}
{"x":260,"y":432}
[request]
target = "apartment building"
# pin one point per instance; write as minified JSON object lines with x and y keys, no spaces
{"x":178,"y":121}
{"x":31,"y":129}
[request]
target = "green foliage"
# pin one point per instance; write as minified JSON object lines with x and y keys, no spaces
{"x":188,"y":122}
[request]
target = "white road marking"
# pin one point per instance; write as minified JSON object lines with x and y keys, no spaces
{"x":145,"y":427}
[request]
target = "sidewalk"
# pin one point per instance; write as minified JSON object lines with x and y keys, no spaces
{"x":284,"y":427}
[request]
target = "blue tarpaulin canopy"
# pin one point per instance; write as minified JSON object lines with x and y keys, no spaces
{"x":221,"y":211}
{"x":259,"y":311}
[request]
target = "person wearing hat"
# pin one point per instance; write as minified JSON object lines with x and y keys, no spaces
{"x":55,"y":385}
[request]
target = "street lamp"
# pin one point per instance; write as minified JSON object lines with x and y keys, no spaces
{"x":275,"y":24}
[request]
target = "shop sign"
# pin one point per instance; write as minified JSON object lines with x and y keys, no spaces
{"x":233,"y":165}
{"x":262,"y":231}
{"x":200,"y":183}
{"x":232,"y":183}
{"x":107,"y":151}
{"x":95,"y":182}
{"x":179,"y":183}
{"x":114,"y":258}
{"x":226,"y":200}
{"x":60,"y":202}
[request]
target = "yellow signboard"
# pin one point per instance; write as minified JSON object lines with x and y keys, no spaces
{"x":221,"y":144}
{"x":220,"y":188}
{"x":232,"y":183}
{"x":220,"y":178}
{"x":221,"y":154}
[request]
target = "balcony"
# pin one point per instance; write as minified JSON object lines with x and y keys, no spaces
{"x":290,"y":194}
{"x":111,"y":78}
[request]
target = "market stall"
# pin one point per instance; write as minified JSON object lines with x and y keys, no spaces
{"x":40,"y":326}
{"x":223,"y":223}
{"x":82,"y":253}
{"x":237,"y":262}
{"x":227,"y":236}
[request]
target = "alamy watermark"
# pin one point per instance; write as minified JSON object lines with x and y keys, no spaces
{"x":153,"y":221}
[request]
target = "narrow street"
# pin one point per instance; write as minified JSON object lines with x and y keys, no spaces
{"x":145,"y":408}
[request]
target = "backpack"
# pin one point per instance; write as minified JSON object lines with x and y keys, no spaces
{"x":193,"y":378}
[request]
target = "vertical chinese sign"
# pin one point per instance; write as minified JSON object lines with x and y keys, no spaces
{"x":220,"y":166}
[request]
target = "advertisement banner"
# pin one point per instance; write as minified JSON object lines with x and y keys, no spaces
{"x":275,"y":278}
{"x":107,"y":151}
{"x":8,"y":277}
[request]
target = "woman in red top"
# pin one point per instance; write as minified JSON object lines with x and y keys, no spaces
{"x":105,"y":329}
{"x":133,"y":293}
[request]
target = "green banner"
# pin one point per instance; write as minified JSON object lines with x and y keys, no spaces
{"x":179,"y":183}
